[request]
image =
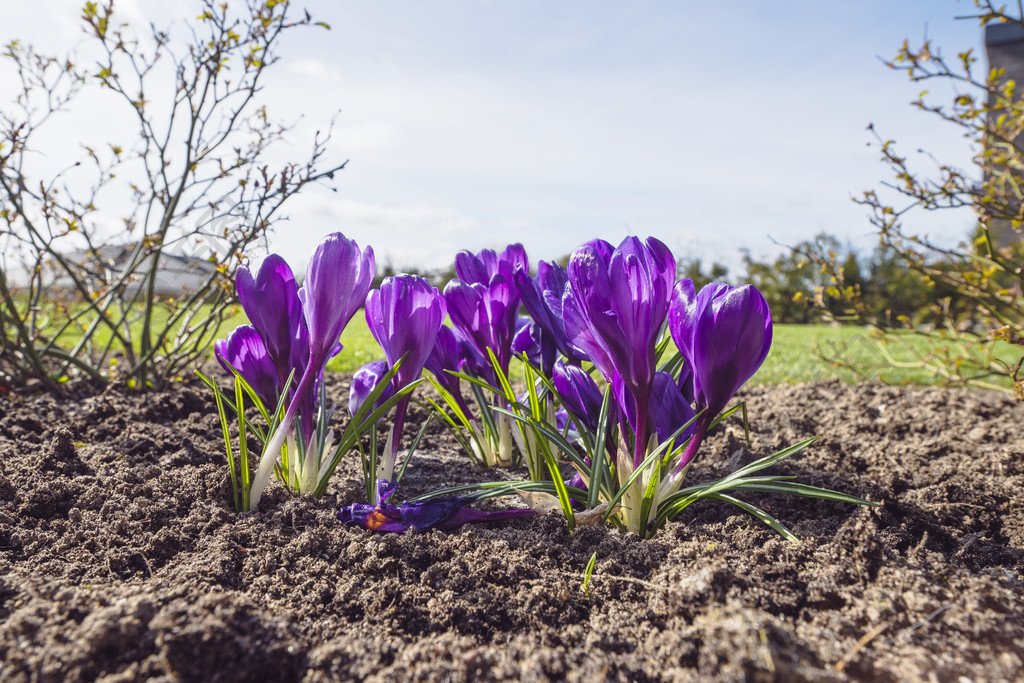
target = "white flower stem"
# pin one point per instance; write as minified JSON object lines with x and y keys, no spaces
{"x":272,"y":451}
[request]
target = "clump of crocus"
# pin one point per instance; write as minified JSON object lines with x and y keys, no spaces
{"x":614,"y":306}
{"x":404,"y":316}
{"x":632,"y":446}
{"x":280,"y":360}
{"x":483,"y":304}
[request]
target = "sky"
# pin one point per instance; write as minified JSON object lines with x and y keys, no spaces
{"x":470,"y":124}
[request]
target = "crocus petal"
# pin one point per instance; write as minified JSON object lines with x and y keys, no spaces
{"x":271,"y":302}
{"x":385,"y":489}
{"x":468,"y":515}
{"x":444,"y":357}
{"x":480,"y":268}
{"x":476,"y":268}
{"x":669,"y":409}
{"x":245,"y":351}
{"x":542,"y":298}
{"x":626,"y":403}
{"x":536,"y":343}
{"x":374,"y":517}
{"x":641,"y":276}
{"x":440,"y":514}
{"x":338,"y":278}
{"x":587,"y":270}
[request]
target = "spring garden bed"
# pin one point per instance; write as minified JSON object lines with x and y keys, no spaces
{"x":121,"y":559}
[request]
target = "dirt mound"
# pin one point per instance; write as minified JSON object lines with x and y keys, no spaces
{"x":120,"y":558}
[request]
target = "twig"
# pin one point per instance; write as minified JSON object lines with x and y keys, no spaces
{"x":860,"y":645}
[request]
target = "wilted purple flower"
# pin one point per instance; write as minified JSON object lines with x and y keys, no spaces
{"x":542,"y":298}
{"x":338,"y":278}
{"x":613,"y":309}
{"x":245,"y":351}
{"x":724,"y":333}
{"x":441,"y":514}
{"x":271,"y":302}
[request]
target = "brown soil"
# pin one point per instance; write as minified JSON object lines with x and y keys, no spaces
{"x":120,"y":558}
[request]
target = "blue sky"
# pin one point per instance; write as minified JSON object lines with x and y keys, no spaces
{"x":474,"y":123}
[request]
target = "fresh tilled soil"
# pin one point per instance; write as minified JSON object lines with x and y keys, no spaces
{"x":121,"y":558}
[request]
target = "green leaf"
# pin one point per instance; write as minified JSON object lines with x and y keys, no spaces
{"x":588,"y":572}
{"x":761,"y":515}
{"x":227,"y":440}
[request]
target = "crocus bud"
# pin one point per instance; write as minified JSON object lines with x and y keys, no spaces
{"x":542,"y":298}
{"x":364,"y":381}
{"x":404,"y":316}
{"x":271,"y":302}
{"x":724,"y":333}
{"x":338,"y":278}
{"x":245,"y":351}
{"x":579,"y":393}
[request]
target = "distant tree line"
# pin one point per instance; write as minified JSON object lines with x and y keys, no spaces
{"x":823,"y":280}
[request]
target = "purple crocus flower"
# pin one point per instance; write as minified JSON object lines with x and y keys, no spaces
{"x":531,"y":339}
{"x":338,"y":278}
{"x":542,"y":298}
{"x":443,"y":357}
{"x":245,"y":351}
{"x":613,"y":309}
{"x":271,"y":302}
{"x":486,"y":317}
{"x":364,"y":381}
{"x":724,"y":333}
{"x":579,"y":393}
{"x":404,"y":316}
{"x":484,"y":302}
{"x":447,"y":513}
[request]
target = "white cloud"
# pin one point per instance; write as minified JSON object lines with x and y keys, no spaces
{"x":413,"y":235}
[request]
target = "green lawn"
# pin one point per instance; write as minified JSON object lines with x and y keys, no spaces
{"x":794,"y":356}
{"x":797,"y":351}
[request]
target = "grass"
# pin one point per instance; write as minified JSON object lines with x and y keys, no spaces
{"x":904,"y":358}
{"x":794,"y":356}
